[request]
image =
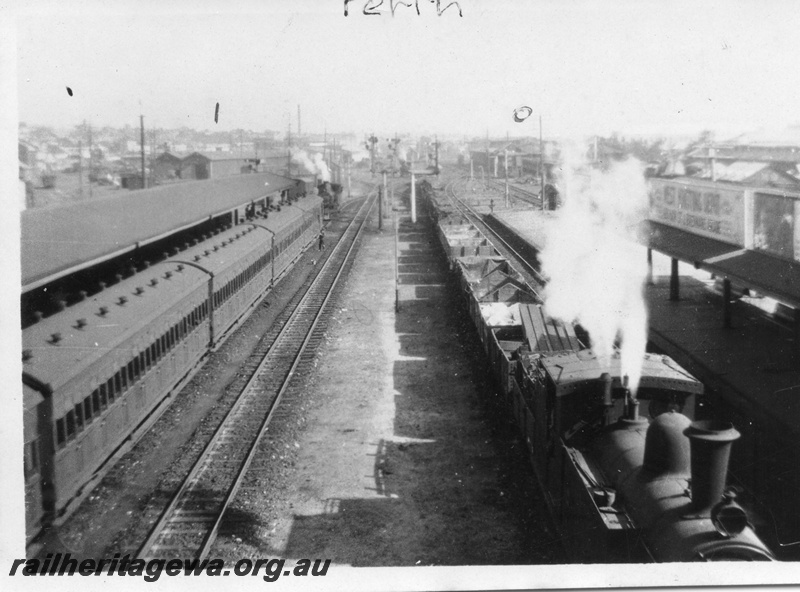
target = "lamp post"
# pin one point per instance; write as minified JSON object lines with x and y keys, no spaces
{"x":520,"y":115}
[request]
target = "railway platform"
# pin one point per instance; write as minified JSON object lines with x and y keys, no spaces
{"x":751,"y":374}
{"x":396,"y":462}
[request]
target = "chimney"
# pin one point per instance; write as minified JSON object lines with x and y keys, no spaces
{"x":710,"y":443}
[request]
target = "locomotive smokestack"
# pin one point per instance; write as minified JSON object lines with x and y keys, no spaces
{"x":608,"y":401}
{"x":631,"y":402}
{"x":710,"y":443}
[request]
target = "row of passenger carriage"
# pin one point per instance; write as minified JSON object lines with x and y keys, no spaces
{"x":97,"y":374}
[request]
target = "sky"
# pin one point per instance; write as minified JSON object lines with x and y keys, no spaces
{"x":643,"y":67}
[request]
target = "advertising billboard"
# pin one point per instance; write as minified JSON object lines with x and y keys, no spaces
{"x":699,"y":208}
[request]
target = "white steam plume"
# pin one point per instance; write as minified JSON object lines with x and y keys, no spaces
{"x":596,"y":278}
{"x":316,"y":166}
{"x":322,"y":168}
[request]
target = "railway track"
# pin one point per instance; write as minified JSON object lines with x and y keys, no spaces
{"x":529,"y":272}
{"x":189,"y":524}
{"x":516,"y":192}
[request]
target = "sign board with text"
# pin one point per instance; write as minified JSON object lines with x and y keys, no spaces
{"x":700,"y":208}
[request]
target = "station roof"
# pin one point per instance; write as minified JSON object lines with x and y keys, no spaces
{"x":748,"y":152}
{"x":682,"y":245}
{"x":64,"y":238}
{"x":768,"y":274}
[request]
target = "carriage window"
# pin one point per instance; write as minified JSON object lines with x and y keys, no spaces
{"x":111,"y":393}
{"x":31,"y":458}
{"x":61,"y":436}
{"x":129,"y":373}
{"x":133,"y":369}
{"x":70,"y":424}
{"x":79,"y":416}
{"x":103,"y":400}
{"x":147,"y":359}
{"x":118,"y":388}
{"x":87,"y":407}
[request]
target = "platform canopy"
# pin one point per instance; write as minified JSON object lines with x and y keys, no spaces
{"x":64,"y":238}
{"x":765,"y":273}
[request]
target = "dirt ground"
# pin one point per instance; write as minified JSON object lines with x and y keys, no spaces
{"x":395,"y":455}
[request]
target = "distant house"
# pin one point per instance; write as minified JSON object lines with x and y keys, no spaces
{"x":168,"y":166}
{"x":213,"y":165}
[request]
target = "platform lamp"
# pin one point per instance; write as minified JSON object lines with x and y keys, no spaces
{"x":520,"y":115}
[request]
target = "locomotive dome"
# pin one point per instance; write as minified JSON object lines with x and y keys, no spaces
{"x":666,"y":449}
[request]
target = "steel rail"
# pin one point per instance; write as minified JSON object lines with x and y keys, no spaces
{"x":474,"y":215}
{"x":182,"y":519}
{"x":517,"y":192}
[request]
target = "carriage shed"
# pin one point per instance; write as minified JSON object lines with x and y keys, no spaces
{"x":63,"y":239}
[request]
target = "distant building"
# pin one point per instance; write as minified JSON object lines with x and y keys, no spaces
{"x":213,"y":165}
{"x":750,"y":159}
{"x":754,"y":174}
{"x":168,"y":165}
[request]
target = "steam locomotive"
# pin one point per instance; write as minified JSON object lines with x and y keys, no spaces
{"x":627,"y":477}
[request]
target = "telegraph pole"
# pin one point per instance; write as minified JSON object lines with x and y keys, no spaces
{"x":436,"y":154}
{"x":144,"y":176}
{"x":380,"y":206}
{"x":91,"y":160}
{"x":385,"y":189}
{"x":505,"y":156}
{"x":413,"y":199}
{"x":371,"y":147}
{"x":289,"y":150}
{"x":541,"y":160}
{"x":487,"y":154}
{"x":80,"y":166}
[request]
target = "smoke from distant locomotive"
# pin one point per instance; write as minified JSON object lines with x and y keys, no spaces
{"x":315,"y":165}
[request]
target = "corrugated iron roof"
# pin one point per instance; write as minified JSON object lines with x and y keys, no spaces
{"x":570,"y":371}
{"x":63,"y":237}
{"x":737,"y":172}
